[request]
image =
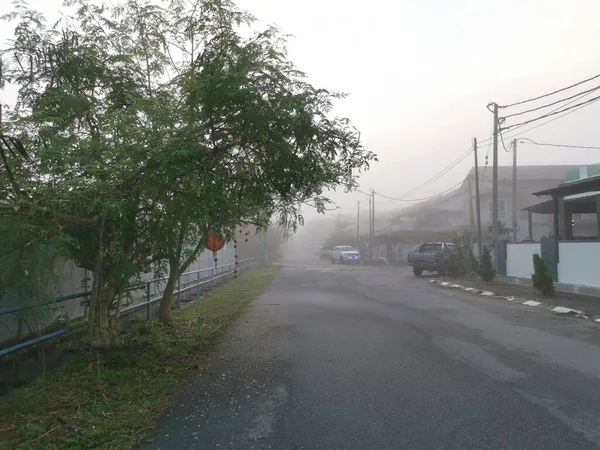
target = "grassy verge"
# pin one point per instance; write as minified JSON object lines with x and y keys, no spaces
{"x":108,"y":399}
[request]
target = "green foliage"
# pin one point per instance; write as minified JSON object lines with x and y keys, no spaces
{"x":454,"y":266}
{"x":462,"y":261}
{"x":109,"y":399}
{"x":486,"y":268}
{"x":132,"y":157}
{"x":542,"y":280}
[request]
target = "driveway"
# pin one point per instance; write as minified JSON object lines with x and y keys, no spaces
{"x":346,"y":357}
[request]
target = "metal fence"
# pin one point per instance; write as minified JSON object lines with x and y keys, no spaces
{"x":189,"y":285}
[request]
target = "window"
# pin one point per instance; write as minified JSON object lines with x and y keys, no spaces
{"x":431,"y":248}
{"x":501,"y":210}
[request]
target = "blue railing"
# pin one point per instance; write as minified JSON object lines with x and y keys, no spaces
{"x":149,"y":299}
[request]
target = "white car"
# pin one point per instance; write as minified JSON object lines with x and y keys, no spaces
{"x":344,"y":254}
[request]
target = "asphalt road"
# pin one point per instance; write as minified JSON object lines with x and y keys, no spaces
{"x":339,"y":357}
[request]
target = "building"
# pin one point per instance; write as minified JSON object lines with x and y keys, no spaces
{"x":455,"y":211}
{"x":571,"y":252}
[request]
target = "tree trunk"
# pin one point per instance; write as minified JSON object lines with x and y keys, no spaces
{"x":166,"y":303}
{"x":103,"y":326}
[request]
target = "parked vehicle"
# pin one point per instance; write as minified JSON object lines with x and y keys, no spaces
{"x":317,"y":250}
{"x":344,"y":254}
{"x":430,"y":257}
{"x":325,"y":253}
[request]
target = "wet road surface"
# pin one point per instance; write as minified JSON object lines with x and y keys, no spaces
{"x":347,"y":357}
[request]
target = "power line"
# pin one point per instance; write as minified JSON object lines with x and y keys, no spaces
{"x":420,"y":199}
{"x":531,"y":141}
{"x":502,"y":140}
{"x":551,"y":120}
{"x":453,"y":164}
{"x":587,"y":102}
{"x":579,"y":96}
{"x":553,"y":103}
{"x":556,"y":109}
{"x":436,"y":176}
{"x":551,"y":93}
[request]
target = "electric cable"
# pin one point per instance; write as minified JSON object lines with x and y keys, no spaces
{"x":587,"y":102}
{"x":531,"y":141}
{"x":551,"y":93}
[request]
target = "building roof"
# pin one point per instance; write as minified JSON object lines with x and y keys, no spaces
{"x":579,"y":205}
{"x":580,"y":186}
{"x":547,"y":173}
{"x":558,"y":173}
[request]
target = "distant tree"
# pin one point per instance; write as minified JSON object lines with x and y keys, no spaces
{"x":340,"y":235}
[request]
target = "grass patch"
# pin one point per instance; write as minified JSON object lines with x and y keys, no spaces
{"x":108,"y":399}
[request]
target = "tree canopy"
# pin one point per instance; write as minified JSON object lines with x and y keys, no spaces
{"x":140,"y":127}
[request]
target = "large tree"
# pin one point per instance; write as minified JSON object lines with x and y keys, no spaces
{"x":145,"y":126}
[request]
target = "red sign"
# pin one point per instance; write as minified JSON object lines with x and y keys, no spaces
{"x":214,"y":242}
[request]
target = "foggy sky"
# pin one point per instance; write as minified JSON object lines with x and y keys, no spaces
{"x":421,"y":72}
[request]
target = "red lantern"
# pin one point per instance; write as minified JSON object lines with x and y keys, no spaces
{"x":214,"y":242}
{"x":236,"y":256}
{"x":241,"y":224}
{"x":235,"y":276}
{"x":235,"y":241}
{"x":237,"y":262}
{"x":246,"y":240}
{"x":235,"y":271}
{"x":235,"y":246}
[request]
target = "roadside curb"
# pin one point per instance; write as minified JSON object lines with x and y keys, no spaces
{"x":531,"y":303}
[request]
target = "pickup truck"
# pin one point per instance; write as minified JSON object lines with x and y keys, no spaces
{"x":430,"y":256}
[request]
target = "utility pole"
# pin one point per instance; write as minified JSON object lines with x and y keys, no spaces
{"x":373,"y":219}
{"x":471,"y":214}
{"x":370,"y":229}
{"x":358,"y":226}
{"x":514,"y":191}
{"x":477,"y":200}
{"x":495,"y":189}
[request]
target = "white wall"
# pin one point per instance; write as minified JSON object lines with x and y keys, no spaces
{"x":579,"y":263}
{"x":519,"y":259}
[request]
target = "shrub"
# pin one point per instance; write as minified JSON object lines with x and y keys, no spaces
{"x":486,"y":268}
{"x":542,"y":280}
{"x":462,"y":261}
{"x":453,"y":267}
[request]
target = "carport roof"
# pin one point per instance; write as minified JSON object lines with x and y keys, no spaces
{"x":573,"y":187}
{"x":582,"y":204}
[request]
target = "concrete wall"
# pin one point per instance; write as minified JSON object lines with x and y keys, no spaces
{"x":519,"y":259}
{"x":579,"y":263}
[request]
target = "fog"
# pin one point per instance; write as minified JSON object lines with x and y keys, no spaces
{"x":419,"y":75}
